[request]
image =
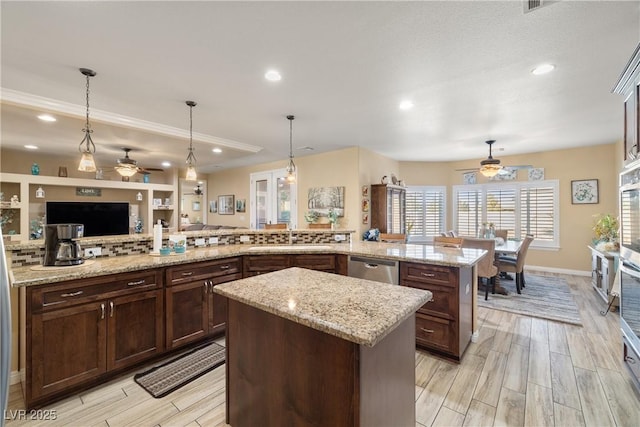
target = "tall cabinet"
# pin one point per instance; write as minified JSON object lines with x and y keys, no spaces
{"x":629,"y":87}
{"x":388,"y":208}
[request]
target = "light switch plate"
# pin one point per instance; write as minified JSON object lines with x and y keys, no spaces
{"x":339,"y":237}
{"x":213,"y":240}
{"x":89,"y":252}
{"x":200,"y":242}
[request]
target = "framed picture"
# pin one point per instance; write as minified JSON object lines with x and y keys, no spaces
{"x":365,"y":191}
{"x":213,"y":206}
{"x":195,"y":206}
{"x":584,"y":191}
{"x":536,"y":174}
{"x":365,"y":205}
{"x":241,"y":205}
{"x":226,"y":205}
{"x":365,"y":218}
{"x":469,"y":178}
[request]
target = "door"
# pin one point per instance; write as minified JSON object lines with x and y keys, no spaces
{"x":273,"y":199}
{"x":68,"y":347}
{"x":135,"y":326}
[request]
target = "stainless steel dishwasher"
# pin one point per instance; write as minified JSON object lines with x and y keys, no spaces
{"x":378,"y":270}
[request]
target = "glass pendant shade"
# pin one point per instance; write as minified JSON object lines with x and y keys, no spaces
{"x":87,"y":162}
{"x":192,"y":175}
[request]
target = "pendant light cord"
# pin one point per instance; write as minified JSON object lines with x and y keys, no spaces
{"x":89,"y":147}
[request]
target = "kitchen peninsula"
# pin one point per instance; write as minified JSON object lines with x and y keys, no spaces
{"x":175,"y":304}
{"x":306,"y":347}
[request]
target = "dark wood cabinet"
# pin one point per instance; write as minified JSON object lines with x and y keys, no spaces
{"x":79,"y":330}
{"x":252,"y":265}
{"x":444,"y":324}
{"x":193,"y":310}
{"x":629,"y":87}
{"x":260,"y":264}
{"x":388,"y":208}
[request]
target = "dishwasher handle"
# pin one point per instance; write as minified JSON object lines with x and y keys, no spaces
{"x":373,"y":262}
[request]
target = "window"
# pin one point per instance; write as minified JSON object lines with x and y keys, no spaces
{"x":520,"y":207}
{"x":425,"y":212}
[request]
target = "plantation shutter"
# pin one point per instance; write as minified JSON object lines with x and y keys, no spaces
{"x":468,"y":211}
{"x":425,"y":211}
{"x":537,"y":212}
{"x":501,"y":209}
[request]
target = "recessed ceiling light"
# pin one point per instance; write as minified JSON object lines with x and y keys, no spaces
{"x":166,"y":164}
{"x":47,"y":118}
{"x":306,"y":148}
{"x":543,"y":69}
{"x":217,"y":150}
{"x":31,"y":147}
{"x":406,"y":105}
{"x":273,"y":76}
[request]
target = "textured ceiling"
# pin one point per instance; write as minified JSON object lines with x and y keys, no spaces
{"x":345,"y":65}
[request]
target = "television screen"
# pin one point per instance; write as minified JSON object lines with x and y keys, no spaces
{"x":99,"y":218}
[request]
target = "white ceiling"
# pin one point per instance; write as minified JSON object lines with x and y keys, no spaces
{"x":345,"y":65}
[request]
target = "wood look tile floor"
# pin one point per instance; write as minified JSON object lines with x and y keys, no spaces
{"x":523,"y":371}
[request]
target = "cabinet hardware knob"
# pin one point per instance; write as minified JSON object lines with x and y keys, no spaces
{"x":111,"y":308}
{"x":428,"y":274}
{"x":72,"y":294}
{"x":630,"y":360}
{"x":188,"y":273}
{"x":429,"y":331}
{"x":101,"y":311}
{"x":137,"y":282}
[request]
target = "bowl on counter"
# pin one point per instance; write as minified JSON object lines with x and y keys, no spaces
{"x":165,"y":250}
{"x":179,"y":249}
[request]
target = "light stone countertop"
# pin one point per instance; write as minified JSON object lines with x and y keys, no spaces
{"x":364,"y":313}
{"x":427,"y":254}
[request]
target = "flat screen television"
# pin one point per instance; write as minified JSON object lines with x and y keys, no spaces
{"x":99,"y":218}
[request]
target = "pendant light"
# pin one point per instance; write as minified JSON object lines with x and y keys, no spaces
{"x":291,"y":168}
{"x":191,"y":158}
{"x":490,"y":166}
{"x":87,"y":147}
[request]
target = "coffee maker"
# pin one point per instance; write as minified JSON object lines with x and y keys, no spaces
{"x":60,"y":247}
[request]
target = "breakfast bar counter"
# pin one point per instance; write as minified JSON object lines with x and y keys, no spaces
{"x":311,"y":348}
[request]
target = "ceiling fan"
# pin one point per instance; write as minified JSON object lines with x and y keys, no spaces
{"x":128,"y":167}
{"x":491,"y":167}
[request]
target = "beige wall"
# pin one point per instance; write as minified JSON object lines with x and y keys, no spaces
{"x":600,"y":162}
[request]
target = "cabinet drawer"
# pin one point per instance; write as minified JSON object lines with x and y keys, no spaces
{"x":631,"y":360}
{"x":436,"y":333}
{"x":444,"y":302}
{"x":203,"y":270}
{"x":81,"y":291}
{"x":435,"y":274}
{"x":258,"y":264}
{"x":324,"y":262}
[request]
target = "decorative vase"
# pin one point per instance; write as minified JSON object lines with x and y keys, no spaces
{"x":35,"y":169}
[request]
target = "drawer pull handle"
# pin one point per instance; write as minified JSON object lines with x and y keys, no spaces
{"x":630,"y":360}
{"x":187,"y":273}
{"x":111,"y":308}
{"x":211,"y":284}
{"x":428,"y":274}
{"x":137,"y":282}
{"x":224,"y":267}
{"x":206,"y":286}
{"x":429,"y":331}
{"x":72,"y":294}
{"x":102,"y":311}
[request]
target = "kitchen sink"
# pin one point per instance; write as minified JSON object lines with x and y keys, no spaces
{"x":290,"y":248}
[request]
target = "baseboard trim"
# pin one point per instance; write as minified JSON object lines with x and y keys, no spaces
{"x":14,"y":377}
{"x":557,"y":270}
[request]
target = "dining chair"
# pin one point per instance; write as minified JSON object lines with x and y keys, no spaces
{"x":447,"y":242}
{"x":516,"y":265}
{"x":278,"y":226}
{"x":452,"y":233}
{"x":503,"y":234}
{"x":323,"y":226}
{"x":393,"y":237}
{"x":486,"y":268}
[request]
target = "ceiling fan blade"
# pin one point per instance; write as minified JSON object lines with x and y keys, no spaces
{"x":143,"y":170}
{"x":468,"y":170}
{"x":520,"y":166}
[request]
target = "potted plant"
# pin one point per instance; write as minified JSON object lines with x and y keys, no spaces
{"x":333,"y":218}
{"x":606,"y":228}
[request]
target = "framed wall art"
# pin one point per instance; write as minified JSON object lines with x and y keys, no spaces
{"x":213,"y":206}
{"x":241,"y":205}
{"x":584,"y":191}
{"x":226,"y":205}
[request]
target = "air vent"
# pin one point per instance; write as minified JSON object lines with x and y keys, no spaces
{"x":531,"y":5}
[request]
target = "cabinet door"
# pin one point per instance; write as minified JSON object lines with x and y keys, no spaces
{"x":187,"y":316}
{"x":135,"y":328}
{"x":631,"y":113}
{"x":259,"y":264}
{"x":68,"y":348}
{"x":217,"y":306}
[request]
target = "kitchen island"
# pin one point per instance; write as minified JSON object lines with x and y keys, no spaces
{"x":311,"y":348}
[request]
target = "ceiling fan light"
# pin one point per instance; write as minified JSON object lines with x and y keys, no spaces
{"x":126,"y":169}
{"x":87,"y":162}
{"x":191,"y":175}
{"x":490,"y":170}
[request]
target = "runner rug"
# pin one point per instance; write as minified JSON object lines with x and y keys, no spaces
{"x":546,"y":297}
{"x":170,"y":376}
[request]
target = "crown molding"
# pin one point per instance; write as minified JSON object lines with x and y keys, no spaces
{"x":14,"y":97}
